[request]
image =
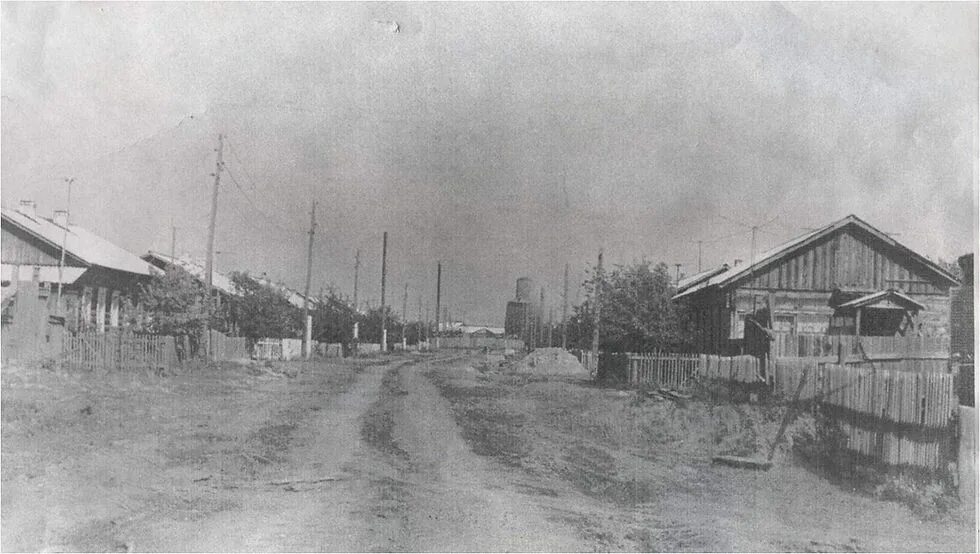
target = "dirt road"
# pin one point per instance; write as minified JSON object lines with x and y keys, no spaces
{"x":357,"y":458}
{"x":406,"y":454}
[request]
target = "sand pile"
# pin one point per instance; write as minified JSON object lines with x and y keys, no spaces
{"x":549,"y":361}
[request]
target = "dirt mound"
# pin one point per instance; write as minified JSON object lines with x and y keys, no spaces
{"x":549,"y":361}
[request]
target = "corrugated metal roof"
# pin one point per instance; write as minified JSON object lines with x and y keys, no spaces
{"x":80,"y":243}
{"x":737,"y":272}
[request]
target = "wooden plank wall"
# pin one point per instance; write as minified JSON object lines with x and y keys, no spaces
{"x":820,"y":345}
{"x":850,"y":258}
{"x":968,"y":452}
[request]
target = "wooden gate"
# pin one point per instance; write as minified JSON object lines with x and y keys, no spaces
{"x":119,"y":350}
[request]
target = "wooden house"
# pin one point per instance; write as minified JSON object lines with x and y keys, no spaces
{"x":98,"y":279}
{"x":847,"y":278}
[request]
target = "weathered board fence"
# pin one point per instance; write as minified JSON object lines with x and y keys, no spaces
{"x":118,"y":351}
{"x":787,"y":345}
{"x":228,"y":348}
{"x":899,"y":417}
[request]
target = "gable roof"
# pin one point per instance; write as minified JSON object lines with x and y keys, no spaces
{"x":88,"y":247}
{"x":736,"y":273}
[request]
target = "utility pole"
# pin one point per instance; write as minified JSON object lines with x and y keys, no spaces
{"x":418,"y":325}
{"x":404,"y":316}
{"x":209,"y":256}
{"x":752,"y":254}
{"x":357,"y":266}
{"x":307,"y":324}
{"x":564,"y":312}
{"x":596,"y":313}
{"x":438,"y":299}
{"x":539,"y":335}
{"x":64,"y":241}
{"x":173,"y":241}
{"x":700,"y":243}
{"x":678,"y":281}
{"x":384,"y":275}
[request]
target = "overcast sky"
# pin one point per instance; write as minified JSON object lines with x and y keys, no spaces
{"x":504,"y":139}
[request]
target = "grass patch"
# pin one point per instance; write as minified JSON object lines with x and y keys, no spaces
{"x":379,"y":423}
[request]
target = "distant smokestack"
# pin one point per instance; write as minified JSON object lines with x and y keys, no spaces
{"x":28,"y":208}
{"x":737,"y":262}
{"x":61,"y":218}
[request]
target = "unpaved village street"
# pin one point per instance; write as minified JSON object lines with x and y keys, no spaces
{"x":416,"y":453}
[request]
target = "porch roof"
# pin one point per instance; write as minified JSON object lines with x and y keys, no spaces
{"x":884,"y":299}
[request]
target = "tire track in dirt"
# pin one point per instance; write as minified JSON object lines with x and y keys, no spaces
{"x":444,"y":497}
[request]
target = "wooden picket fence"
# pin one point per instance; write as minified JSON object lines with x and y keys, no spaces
{"x":680,"y":371}
{"x":787,"y":345}
{"x":663,"y":369}
{"x":118,"y":351}
{"x":894,"y":416}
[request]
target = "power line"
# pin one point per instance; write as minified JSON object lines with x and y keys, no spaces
{"x":271,"y":218}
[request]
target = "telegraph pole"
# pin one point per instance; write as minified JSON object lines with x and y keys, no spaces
{"x":678,"y":281}
{"x":307,"y":324}
{"x":597,"y":311}
{"x":752,"y":256}
{"x":404,"y":315}
{"x":173,"y":241}
{"x":209,"y":256}
{"x":438,"y":299}
{"x":700,"y":242}
{"x":384,"y":274}
{"x":64,"y":240}
{"x":357,"y":266}
{"x":564,"y":312}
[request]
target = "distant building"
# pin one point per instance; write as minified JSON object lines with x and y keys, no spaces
{"x":481,"y":331}
{"x":99,"y":279}
{"x":525,"y":314}
{"x":846,"y":278}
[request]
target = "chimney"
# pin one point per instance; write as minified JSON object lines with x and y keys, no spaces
{"x":737,"y":262}
{"x":61,"y":218}
{"x":28,"y":208}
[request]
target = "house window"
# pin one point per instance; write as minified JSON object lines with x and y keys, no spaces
{"x":738,"y":325}
{"x":784,"y":323}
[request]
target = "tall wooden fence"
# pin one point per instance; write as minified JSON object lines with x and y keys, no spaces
{"x":815,"y":345}
{"x":892,"y":416}
{"x":118,"y":351}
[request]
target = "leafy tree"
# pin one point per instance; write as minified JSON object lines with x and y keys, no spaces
{"x":637,"y":312}
{"x":173,"y":304}
{"x":333,"y":320}
{"x":262,"y":311}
